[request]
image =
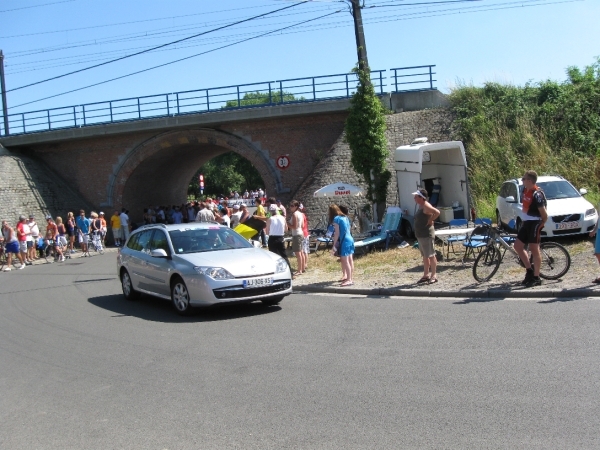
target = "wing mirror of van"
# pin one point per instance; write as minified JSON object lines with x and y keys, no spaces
{"x":510,"y":199}
{"x":583,"y":191}
{"x":159,"y":253}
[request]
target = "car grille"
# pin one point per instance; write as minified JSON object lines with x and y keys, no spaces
{"x":240,"y":292}
{"x":570,"y":231}
{"x":566,"y":218}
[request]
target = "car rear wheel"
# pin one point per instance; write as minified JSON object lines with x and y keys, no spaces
{"x":180,"y":297}
{"x":272,"y":301}
{"x":128,"y":292}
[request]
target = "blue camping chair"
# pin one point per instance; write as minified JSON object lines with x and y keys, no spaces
{"x":327,"y":240}
{"x":435,"y":195}
{"x":389,"y":229}
{"x":477,"y":240}
{"x":482,"y":221}
{"x":451,"y":240}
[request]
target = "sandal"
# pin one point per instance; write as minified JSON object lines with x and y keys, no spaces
{"x":347,"y":283}
{"x":597,"y":280}
{"x":297,"y":274}
{"x":342,"y":280}
{"x":433,"y":280}
{"x":424,"y":279}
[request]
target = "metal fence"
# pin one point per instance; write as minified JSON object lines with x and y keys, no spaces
{"x":268,"y":93}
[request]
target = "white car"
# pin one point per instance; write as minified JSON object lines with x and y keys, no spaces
{"x":568,"y":212}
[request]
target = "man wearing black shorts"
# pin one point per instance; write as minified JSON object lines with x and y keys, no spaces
{"x":533,"y":218}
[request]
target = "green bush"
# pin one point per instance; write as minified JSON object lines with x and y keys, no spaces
{"x":550,"y":127}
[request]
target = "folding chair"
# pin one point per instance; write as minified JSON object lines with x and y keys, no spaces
{"x":327,"y":240}
{"x":451,"y":240}
{"x":435,"y":195}
{"x":389,"y":229}
{"x":477,"y":240}
{"x":482,"y":221}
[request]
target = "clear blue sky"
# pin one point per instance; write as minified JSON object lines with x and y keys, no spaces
{"x":471,"y":42}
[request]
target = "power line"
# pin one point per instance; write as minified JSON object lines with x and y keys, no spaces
{"x":127,"y":23}
{"x":86,"y":58}
{"x":175,"y":61}
{"x":157,"y":47}
{"x":36,"y":6}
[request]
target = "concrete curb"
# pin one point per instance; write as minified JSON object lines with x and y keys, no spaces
{"x":491,"y":294}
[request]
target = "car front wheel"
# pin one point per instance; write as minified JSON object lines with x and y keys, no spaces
{"x":180,"y":297}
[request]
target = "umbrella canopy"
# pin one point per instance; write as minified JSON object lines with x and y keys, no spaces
{"x":338,"y":190}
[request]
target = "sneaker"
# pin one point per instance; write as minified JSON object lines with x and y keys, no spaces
{"x":528,"y":277}
{"x":28,"y":263}
{"x":72,"y":251}
{"x":62,"y":258}
{"x":22,"y":266}
{"x":7,"y":269}
{"x":535,"y":281}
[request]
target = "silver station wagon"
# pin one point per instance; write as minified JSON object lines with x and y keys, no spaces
{"x":200,"y":264}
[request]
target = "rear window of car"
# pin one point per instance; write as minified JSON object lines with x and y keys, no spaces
{"x":198,"y":240}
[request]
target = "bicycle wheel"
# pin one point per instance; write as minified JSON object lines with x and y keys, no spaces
{"x":556,"y":260}
{"x":486,"y":264}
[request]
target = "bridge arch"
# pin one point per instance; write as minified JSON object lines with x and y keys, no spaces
{"x":158,"y":170}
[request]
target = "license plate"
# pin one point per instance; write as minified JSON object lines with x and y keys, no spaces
{"x":567,"y":225}
{"x":258,"y":282}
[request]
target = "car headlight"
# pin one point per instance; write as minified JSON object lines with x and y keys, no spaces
{"x":280,"y":265}
{"x":216,"y":273}
{"x":590,"y":212}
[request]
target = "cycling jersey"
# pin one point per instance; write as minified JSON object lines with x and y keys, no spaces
{"x":533,"y":200}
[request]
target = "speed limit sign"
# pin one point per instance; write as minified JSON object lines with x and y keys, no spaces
{"x":283,"y":162}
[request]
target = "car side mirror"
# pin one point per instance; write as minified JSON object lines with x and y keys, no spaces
{"x":159,"y":253}
{"x":510,"y":199}
{"x":583,"y":191}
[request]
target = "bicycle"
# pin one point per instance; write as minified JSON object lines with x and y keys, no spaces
{"x":556,"y":260}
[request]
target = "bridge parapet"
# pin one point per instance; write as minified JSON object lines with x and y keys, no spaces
{"x":210,"y":100}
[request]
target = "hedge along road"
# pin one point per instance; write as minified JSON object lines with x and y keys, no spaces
{"x":80,"y":367}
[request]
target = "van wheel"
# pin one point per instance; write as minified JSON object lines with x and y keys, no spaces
{"x":180,"y":297}
{"x":407,"y":229}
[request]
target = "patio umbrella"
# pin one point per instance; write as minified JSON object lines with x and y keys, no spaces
{"x":339,"y":190}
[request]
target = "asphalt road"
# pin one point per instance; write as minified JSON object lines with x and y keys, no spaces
{"x":82,"y":368}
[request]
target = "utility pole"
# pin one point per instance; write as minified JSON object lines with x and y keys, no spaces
{"x":359,"y":32}
{"x":3,"y":88}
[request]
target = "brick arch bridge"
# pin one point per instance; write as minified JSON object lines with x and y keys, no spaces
{"x":151,"y":161}
{"x":159,"y":169}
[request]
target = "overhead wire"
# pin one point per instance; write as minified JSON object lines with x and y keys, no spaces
{"x":36,"y":6}
{"x":175,"y":61}
{"x":155,"y":48}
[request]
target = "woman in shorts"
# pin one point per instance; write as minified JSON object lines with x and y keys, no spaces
{"x":71,"y":231}
{"x":425,"y":234}
{"x":296,"y":222}
{"x":11,"y":245}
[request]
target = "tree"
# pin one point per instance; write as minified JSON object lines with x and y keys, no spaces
{"x":226,"y":173}
{"x":262,"y":98}
{"x":365,"y":134}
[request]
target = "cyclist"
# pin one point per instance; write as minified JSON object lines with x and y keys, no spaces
{"x":533,"y":216}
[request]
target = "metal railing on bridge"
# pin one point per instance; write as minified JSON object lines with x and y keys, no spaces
{"x":268,"y":93}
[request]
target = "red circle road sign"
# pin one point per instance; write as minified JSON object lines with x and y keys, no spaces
{"x":283,"y":162}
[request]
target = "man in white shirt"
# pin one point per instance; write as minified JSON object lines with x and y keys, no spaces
{"x":124,"y":224}
{"x":276,"y":228}
{"x":235,"y":217}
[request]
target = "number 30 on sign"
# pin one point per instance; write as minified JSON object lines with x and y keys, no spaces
{"x":283,"y":162}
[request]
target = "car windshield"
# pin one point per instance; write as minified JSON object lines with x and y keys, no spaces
{"x":556,"y":189}
{"x":198,"y":240}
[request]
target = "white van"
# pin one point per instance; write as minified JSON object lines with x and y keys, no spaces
{"x":441,"y":169}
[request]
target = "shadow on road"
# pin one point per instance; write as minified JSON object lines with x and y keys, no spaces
{"x":158,"y":310}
